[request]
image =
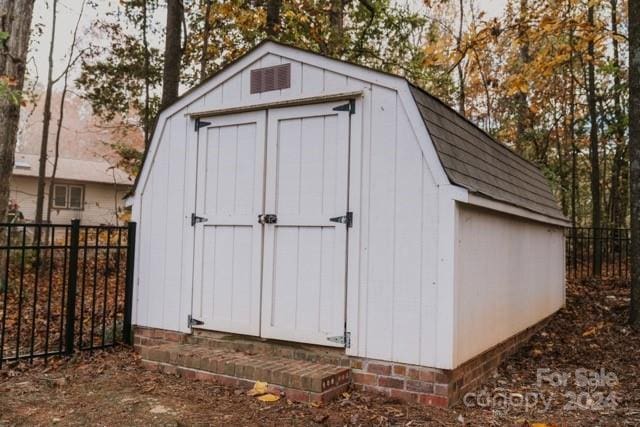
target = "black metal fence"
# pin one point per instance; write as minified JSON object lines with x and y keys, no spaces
{"x":64,"y":287}
{"x":597,"y":252}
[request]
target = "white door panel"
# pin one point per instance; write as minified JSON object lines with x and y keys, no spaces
{"x":228,"y":244}
{"x":303,"y":294}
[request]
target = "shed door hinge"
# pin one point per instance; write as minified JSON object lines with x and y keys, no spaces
{"x":349,"y":106}
{"x":196,"y":219}
{"x":346,"y":219}
{"x":201,"y":124}
{"x":342,"y":339}
{"x":191,"y":322}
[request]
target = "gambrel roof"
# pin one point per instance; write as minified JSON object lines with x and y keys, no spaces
{"x":469,"y":157}
{"x":479,"y":163}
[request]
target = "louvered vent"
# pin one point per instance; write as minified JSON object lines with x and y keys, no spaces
{"x":271,"y":78}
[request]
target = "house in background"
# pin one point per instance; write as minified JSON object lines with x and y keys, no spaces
{"x":89,"y":190}
{"x":87,"y":187}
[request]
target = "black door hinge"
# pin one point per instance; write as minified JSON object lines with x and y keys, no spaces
{"x":196,"y":219}
{"x":342,"y":339}
{"x":194,"y":322}
{"x":201,"y":124}
{"x":349,"y":106}
{"x":346,"y":219}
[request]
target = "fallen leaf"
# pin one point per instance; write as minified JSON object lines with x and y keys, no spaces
{"x":269,"y":398}
{"x":259,"y":388}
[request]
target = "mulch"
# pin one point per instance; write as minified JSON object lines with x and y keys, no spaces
{"x":586,"y":360}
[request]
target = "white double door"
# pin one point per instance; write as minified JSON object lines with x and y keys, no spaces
{"x":269,"y":259}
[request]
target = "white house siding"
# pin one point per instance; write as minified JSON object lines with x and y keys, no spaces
{"x":509,"y":275}
{"x":101,"y":201}
{"x":394,"y":242}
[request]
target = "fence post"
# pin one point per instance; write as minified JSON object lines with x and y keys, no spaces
{"x":128,"y":290}
{"x":72,"y":286}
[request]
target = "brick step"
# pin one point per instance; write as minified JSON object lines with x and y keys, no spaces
{"x":298,"y":380}
{"x":255,"y":345}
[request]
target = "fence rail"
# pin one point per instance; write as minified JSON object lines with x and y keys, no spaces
{"x":63,"y":287}
{"x":598,"y":252}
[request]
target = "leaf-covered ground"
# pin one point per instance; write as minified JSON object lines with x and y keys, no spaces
{"x":591,"y":333}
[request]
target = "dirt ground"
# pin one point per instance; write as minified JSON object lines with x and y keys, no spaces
{"x":591,"y":333}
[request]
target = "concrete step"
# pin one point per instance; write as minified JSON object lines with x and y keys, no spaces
{"x":297,"y":380}
{"x":256,"y":345}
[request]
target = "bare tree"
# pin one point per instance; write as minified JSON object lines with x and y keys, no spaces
{"x":15,"y":21}
{"x":46,"y":121}
{"x":634,"y":153}
{"x":172,"y":52}
{"x":63,"y":96}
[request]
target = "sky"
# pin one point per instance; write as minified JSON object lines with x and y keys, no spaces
{"x":68,"y":11}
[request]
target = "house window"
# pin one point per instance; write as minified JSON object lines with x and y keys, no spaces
{"x":66,"y":196}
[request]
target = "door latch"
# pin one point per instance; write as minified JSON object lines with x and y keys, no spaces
{"x":346,"y":219}
{"x":268,"y":219}
{"x":196,"y":219}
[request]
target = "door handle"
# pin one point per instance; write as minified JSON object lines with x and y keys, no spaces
{"x":268,"y":219}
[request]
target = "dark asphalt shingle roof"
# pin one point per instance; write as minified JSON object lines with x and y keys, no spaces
{"x":477,"y":162}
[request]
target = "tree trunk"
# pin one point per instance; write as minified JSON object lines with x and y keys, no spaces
{"x":172,"y":53}
{"x":206,"y":33}
{"x":46,"y":121}
{"x":522,"y":103}
{"x":336,"y":22}
{"x":634,"y":154}
{"x":616,"y":209}
{"x":273,"y":17}
{"x":461,"y":78}
{"x":572,"y":133}
{"x":147,"y":72}
{"x":594,"y":154}
{"x":562,"y":172}
{"x":15,"y":19}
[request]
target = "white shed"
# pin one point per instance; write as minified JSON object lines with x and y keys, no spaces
{"x":300,"y":198}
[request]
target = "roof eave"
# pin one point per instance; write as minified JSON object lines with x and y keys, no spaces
{"x":484,"y":201}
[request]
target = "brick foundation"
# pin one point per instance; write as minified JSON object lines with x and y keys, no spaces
{"x":147,"y":337}
{"x":430,"y":386}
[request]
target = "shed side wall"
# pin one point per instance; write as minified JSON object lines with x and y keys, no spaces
{"x":509,"y":275}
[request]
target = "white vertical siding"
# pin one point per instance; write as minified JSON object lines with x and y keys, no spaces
{"x":398,"y":238}
{"x":509,"y":275}
{"x":165,"y":236}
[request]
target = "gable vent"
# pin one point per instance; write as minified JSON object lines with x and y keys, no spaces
{"x":271,"y":78}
